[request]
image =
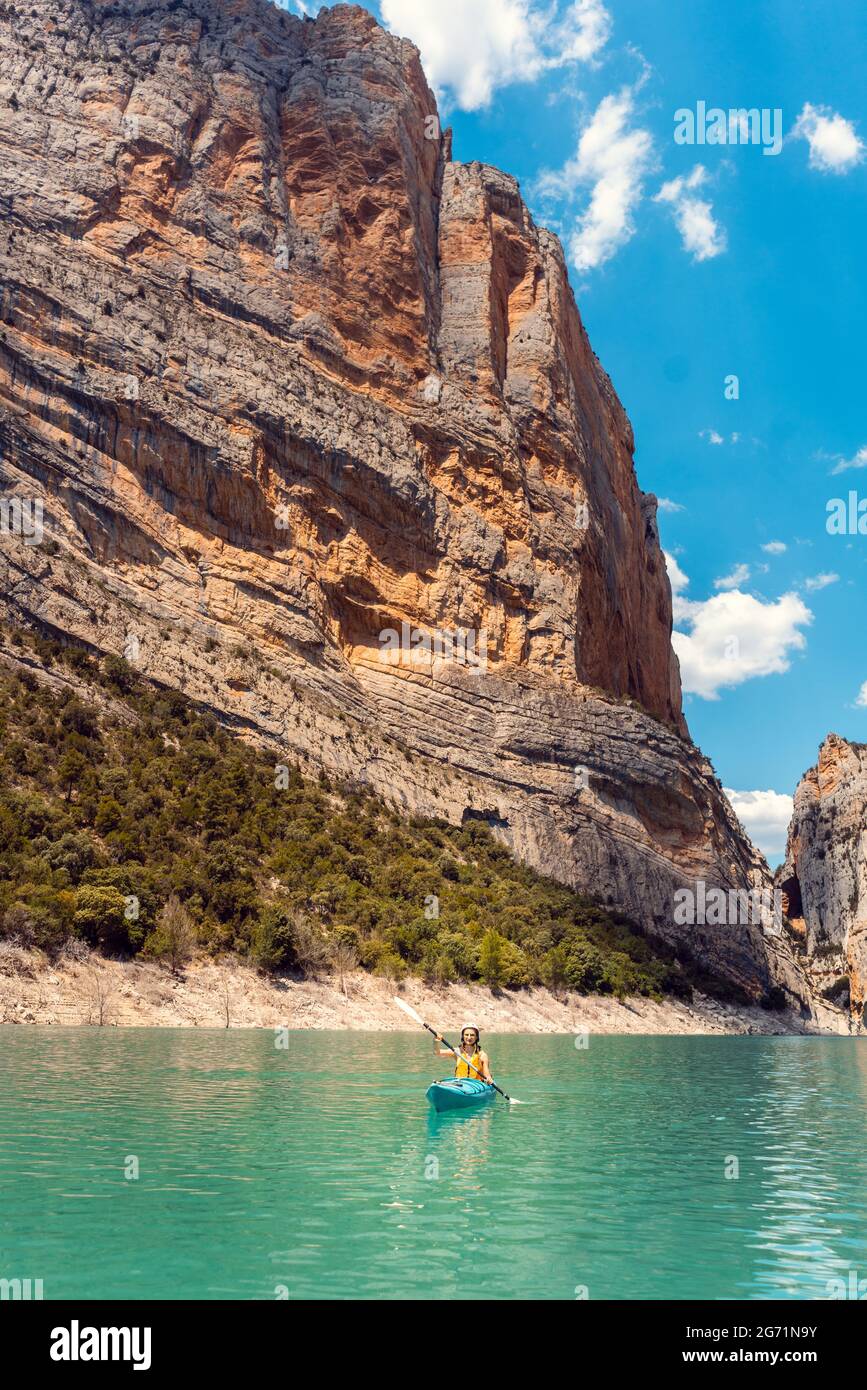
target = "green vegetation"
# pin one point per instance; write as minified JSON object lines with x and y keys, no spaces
{"x":130,"y":818}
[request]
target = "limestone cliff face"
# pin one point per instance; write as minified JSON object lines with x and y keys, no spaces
{"x":824,"y":879}
{"x":287,"y":377}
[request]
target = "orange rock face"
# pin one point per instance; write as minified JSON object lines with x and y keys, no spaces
{"x":289,"y":380}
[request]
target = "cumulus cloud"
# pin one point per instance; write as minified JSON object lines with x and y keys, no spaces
{"x":700,"y":233}
{"x":861,"y":697}
{"x":582,"y":32}
{"x":665,"y":504}
{"x":711,"y":436}
{"x":676,"y":577}
{"x":733,"y":637}
{"x":739,"y":575}
{"x":775,"y":548}
{"x":612,"y":159}
{"x":835,"y":148}
{"x":471,"y":47}
{"x":820,"y":581}
{"x":859,"y":460}
{"x":765,"y":816}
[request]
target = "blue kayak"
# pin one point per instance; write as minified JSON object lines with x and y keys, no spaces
{"x":457,"y":1095}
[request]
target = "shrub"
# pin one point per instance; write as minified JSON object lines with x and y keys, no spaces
{"x":167,"y":804}
{"x":391,"y":966}
{"x":273,"y":941}
{"x":41,"y":917}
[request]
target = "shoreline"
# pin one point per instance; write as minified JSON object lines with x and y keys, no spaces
{"x":95,"y":991}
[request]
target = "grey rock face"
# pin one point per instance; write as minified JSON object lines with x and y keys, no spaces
{"x":824,"y":879}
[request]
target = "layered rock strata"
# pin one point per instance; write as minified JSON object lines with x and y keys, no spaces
{"x":320,"y":439}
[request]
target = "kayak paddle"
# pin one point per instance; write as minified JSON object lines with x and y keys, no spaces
{"x":408,"y":1009}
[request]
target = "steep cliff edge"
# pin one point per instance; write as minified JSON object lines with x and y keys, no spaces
{"x":286,"y":379}
{"x":824,"y":880}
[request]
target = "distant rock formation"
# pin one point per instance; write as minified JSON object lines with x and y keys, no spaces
{"x":824,"y":880}
{"x":288,"y":379}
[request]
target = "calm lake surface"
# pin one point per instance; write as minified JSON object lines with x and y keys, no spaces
{"x":311,"y":1169}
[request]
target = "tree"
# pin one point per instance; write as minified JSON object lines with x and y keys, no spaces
{"x":344,"y":960}
{"x":554,"y":970}
{"x":273,"y":946}
{"x":491,"y":959}
{"x":174,"y":937}
{"x":80,"y":719}
{"x":100,"y":998}
{"x":584,"y":966}
{"x":109,"y":815}
{"x":99,"y":917}
{"x":73,"y":852}
{"x":70,"y":771}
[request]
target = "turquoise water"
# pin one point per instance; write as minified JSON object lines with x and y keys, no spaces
{"x":313,"y":1171}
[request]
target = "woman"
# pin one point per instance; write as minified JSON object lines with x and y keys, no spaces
{"x":470,"y":1061}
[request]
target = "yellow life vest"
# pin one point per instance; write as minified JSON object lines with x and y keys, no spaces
{"x":473,"y":1071}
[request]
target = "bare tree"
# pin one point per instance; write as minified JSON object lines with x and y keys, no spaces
{"x":100,"y":998}
{"x":174,"y":936}
{"x":344,"y":960}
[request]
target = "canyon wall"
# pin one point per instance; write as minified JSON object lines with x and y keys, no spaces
{"x":286,"y":378}
{"x":824,"y":880}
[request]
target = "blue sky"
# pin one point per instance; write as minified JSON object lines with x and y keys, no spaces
{"x":693,"y":263}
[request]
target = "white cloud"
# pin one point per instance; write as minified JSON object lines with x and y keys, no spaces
{"x":861,"y":697}
{"x":834,"y":146}
{"x":700,"y":233}
{"x":472,"y":47}
{"x":775,"y":548}
{"x":584,"y":30}
{"x":821,"y":581}
{"x":859,"y":461}
{"x":711,"y":436}
{"x":666,"y":505}
{"x":612,"y":159}
{"x":765,"y":816}
{"x":733,"y":637}
{"x":676,"y":577}
{"x":739,"y":575}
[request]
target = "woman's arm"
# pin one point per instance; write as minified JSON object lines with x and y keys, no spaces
{"x":486,"y":1066}
{"x":439,"y":1051}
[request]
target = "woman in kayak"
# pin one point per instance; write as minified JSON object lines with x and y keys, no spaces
{"x":471,"y":1061}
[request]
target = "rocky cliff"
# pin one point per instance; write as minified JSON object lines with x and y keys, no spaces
{"x":320,"y":439}
{"x":824,"y":880}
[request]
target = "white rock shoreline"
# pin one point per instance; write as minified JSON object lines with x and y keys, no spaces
{"x":209,"y":994}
